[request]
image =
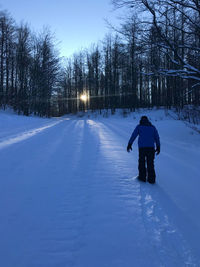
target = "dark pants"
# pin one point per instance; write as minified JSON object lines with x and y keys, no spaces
{"x":146,"y":157}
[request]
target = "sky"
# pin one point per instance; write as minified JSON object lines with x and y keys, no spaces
{"x":76,"y":23}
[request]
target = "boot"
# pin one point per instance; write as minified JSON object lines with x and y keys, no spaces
{"x":141,"y":179}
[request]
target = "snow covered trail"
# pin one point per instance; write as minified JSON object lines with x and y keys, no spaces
{"x":166,"y":225}
{"x":176,"y":192}
{"x":16,"y":138}
{"x":68,"y":197}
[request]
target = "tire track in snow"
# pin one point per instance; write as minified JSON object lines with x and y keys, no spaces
{"x":27,"y":134}
{"x":66,"y":238}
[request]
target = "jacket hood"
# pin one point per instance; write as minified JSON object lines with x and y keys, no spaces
{"x":145,"y":121}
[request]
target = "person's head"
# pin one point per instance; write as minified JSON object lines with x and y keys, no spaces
{"x":144,"y":120}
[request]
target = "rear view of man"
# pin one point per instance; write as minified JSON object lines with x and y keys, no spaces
{"x":148,"y":137}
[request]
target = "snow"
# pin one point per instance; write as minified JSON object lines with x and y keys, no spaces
{"x":69,"y":196}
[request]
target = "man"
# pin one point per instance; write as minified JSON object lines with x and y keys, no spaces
{"x":148,"y":136}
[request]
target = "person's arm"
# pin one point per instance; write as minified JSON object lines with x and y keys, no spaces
{"x":157,"y":140}
{"x":132,"y":139}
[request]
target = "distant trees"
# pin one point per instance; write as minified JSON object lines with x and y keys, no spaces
{"x":153,"y":59}
{"x":29,"y":68}
{"x":6,"y":57}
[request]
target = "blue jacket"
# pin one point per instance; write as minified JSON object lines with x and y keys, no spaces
{"x":148,"y":136}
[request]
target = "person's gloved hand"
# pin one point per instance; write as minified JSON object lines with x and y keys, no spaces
{"x":157,"y":150}
{"x":129,"y":147}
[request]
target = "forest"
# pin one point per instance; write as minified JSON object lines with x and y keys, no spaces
{"x":151,"y":60}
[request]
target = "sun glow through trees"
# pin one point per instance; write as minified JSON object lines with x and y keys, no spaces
{"x":84,"y":97}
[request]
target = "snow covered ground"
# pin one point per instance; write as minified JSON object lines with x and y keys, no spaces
{"x":69,"y":197}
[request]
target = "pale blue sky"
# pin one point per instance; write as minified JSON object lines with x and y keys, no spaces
{"x":76,"y":24}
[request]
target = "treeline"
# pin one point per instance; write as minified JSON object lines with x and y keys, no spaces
{"x":29,"y":68}
{"x":153,"y":59}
